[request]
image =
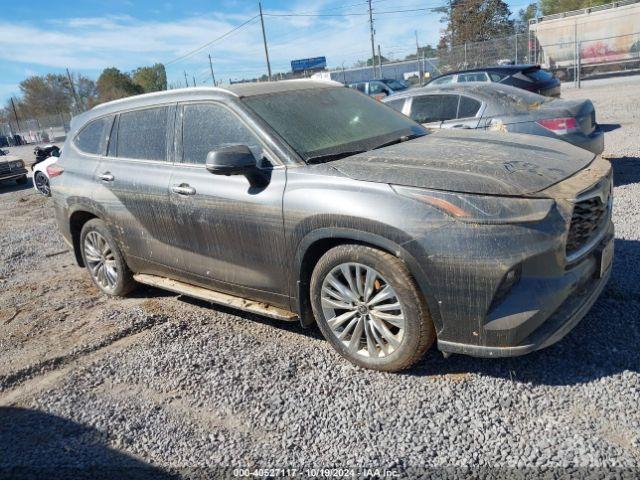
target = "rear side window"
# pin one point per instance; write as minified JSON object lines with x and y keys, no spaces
{"x":396,"y":104}
{"x":206,"y":127}
{"x":93,"y":137}
{"x":472,"y":77}
{"x":434,"y":108}
{"x":377,"y":87}
{"x":142,"y":134}
{"x":468,"y":107}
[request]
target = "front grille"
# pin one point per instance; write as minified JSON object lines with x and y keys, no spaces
{"x":590,"y":211}
{"x":4,"y":167}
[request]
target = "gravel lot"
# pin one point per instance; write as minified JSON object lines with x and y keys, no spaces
{"x":161,"y":381}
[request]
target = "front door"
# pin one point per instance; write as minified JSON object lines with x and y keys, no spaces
{"x":230,"y":232}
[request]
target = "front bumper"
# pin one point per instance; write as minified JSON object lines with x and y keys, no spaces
{"x":552,"y":311}
{"x":13,"y":174}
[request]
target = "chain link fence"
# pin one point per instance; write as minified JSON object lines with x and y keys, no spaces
{"x":49,"y":128}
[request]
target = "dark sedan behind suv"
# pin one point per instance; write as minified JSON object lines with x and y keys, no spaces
{"x":527,"y":77}
{"x":502,"y":108}
{"x":308,"y":200}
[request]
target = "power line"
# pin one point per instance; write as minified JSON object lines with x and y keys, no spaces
{"x":217,"y":39}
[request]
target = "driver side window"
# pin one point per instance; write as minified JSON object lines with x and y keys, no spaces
{"x":208,"y":126}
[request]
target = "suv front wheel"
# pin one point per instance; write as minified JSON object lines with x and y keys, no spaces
{"x":369,"y":308}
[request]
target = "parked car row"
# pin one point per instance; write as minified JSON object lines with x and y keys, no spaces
{"x":305,"y":200}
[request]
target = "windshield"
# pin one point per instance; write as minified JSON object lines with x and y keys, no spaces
{"x":394,"y":84}
{"x":329,"y":121}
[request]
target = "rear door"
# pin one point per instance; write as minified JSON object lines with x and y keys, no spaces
{"x":431,"y":110}
{"x":229,"y":229}
{"x":132,"y":183}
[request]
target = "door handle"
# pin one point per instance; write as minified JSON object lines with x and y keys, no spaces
{"x":183,"y":189}
{"x":106,"y":177}
{"x":465,"y":127}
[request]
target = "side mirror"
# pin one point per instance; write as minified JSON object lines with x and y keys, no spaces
{"x":230,"y":160}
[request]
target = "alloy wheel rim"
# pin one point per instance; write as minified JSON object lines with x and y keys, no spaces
{"x":100,"y":260}
{"x":42,"y":183}
{"x":362,"y":310}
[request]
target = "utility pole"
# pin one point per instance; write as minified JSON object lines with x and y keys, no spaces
{"x":213,"y":77}
{"x":73,"y":91}
{"x":15,"y":112}
{"x":380,"y":62}
{"x":264,"y":39}
{"x":373,"y":48}
{"x":186,"y":80}
{"x":453,"y":30}
{"x":418,"y":59}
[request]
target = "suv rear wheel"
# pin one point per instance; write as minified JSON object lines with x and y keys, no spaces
{"x":103,"y":259}
{"x":369,"y":308}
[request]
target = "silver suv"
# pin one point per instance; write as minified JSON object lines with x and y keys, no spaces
{"x":307,"y":200}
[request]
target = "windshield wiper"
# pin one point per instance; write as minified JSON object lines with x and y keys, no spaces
{"x":398,"y":140}
{"x":327,"y":157}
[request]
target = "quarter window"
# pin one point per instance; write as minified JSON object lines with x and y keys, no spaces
{"x":434,"y":108}
{"x":93,"y":138}
{"x":142,"y":134}
{"x":206,"y":127}
{"x":468,"y":107}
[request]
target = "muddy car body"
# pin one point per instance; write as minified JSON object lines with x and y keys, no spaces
{"x":390,"y":240}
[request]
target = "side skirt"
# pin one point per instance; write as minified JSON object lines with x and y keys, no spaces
{"x":216,"y":297}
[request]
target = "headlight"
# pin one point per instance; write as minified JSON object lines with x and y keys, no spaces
{"x":481,"y":208}
{"x":17,"y":164}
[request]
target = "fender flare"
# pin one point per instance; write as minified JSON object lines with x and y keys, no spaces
{"x":347,"y":235}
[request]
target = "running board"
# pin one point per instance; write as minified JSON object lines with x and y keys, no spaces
{"x":200,"y":293}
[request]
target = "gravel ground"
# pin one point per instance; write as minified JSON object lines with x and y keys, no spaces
{"x":89,"y":384}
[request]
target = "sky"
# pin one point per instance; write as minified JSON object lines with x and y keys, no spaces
{"x":48,"y":36}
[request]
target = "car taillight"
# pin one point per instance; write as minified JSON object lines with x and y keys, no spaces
{"x":54,"y":170}
{"x":559,"y":126}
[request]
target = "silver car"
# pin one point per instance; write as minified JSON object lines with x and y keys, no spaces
{"x":493,"y":106}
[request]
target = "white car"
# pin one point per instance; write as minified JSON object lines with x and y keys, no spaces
{"x":41,"y":176}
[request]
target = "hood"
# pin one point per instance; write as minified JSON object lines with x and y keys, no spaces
{"x":9,"y":158}
{"x":470,"y":162}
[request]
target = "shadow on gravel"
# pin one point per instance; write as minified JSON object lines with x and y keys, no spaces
{"x":37,"y":445}
{"x":626,"y":170}
{"x":604,"y":343}
{"x":608,"y":127}
{"x":9,"y":186}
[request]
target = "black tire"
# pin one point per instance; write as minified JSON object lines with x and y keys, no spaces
{"x":419,"y":333}
{"x":42,"y":183}
{"x":124,"y":282}
{"x":22,"y":180}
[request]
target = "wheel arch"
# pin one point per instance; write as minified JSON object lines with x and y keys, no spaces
{"x":80,"y":214}
{"x":318,"y":242}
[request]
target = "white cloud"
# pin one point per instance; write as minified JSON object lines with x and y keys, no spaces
{"x":91,"y":44}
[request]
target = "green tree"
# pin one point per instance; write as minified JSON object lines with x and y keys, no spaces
{"x":524,"y":15}
{"x":425,"y":52}
{"x":151,"y":79}
{"x":45,"y":95}
{"x":556,"y":6}
{"x":475,"y":21}
{"x":113,"y":84}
